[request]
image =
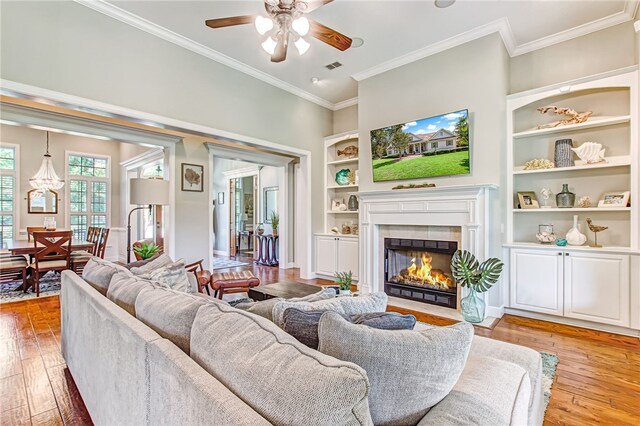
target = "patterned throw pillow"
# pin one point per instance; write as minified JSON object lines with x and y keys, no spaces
{"x":173,"y":276}
{"x":304,"y":325}
{"x":158,"y":262}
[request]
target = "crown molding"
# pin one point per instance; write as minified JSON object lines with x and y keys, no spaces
{"x":345,"y":104}
{"x":147,"y":26}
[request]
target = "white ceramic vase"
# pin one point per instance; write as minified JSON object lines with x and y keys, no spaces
{"x":345,"y":292}
{"x":574,"y":236}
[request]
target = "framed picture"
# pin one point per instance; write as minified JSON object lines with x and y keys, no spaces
{"x":528,"y":200}
{"x":615,"y":199}
{"x":220,"y":198}
{"x":192,"y":177}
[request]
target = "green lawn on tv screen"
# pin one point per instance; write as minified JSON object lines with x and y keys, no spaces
{"x":453,"y":163}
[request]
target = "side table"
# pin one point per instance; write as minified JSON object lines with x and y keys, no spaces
{"x":267,"y":250}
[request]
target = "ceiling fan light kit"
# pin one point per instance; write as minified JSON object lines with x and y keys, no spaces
{"x":286,"y":21}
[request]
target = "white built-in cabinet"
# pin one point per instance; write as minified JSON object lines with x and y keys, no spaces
{"x":537,"y":281}
{"x":336,"y":254}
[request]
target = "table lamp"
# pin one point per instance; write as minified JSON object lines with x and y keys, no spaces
{"x":145,"y":193}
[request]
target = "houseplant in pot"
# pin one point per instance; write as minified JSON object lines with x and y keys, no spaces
{"x":274,"y":219}
{"x":344,"y":280}
{"x":478,"y":278}
{"x":145,"y":250}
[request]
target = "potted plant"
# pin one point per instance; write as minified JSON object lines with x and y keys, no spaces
{"x":274,"y":219}
{"x":344,"y":280}
{"x":478,"y":277}
{"x":146,"y":250}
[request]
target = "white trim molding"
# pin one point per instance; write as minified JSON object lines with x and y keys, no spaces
{"x":345,"y":104}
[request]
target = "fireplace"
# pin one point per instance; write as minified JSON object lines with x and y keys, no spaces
{"x":420,"y":270}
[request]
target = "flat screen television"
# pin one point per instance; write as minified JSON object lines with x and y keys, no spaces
{"x":434,"y":146}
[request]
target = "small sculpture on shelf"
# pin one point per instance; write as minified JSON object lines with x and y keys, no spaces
{"x":545,"y":234}
{"x":574,"y":236}
{"x":351,"y":176}
{"x":590,"y":152}
{"x":595,"y":229}
{"x":575,"y":117}
{"x":565,"y":199}
{"x":342,"y":177}
{"x":546,"y":194}
{"x":584,"y":202}
{"x":351,"y":151}
{"x":538,"y":164}
{"x":562,"y":155}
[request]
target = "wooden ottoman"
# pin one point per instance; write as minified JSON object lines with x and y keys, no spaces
{"x":233,"y":282}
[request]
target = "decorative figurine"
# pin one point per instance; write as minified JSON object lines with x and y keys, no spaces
{"x":595,"y":229}
{"x":538,"y":164}
{"x":584,"y":202}
{"x":590,"y":152}
{"x":342,"y":177}
{"x":575,"y":117}
{"x":351,"y":151}
{"x":561,"y":242}
{"x":545,"y":234}
{"x":574,"y":236}
{"x":546,"y":194}
{"x":565,"y":199}
{"x":562,"y":155}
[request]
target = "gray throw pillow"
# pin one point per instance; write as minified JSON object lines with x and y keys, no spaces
{"x":143,"y":262}
{"x":173,"y":276}
{"x":409,"y":371}
{"x":264,"y":308}
{"x":98,"y":273}
{"x":158,"y":262}
{"x":304,"y":325}
{"x":125,"y":288}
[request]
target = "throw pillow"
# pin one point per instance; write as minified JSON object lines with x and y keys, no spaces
{"x":304,"y":325}
{"x":125,"y":288}
{"x":140,"y":263}
{"x":264,"y":308}
{"x":158,"y":262}
{"x":374,"y":302}
{"x":409,"y":371}
{"x":172,"y":276}
{"x":98,"y":273}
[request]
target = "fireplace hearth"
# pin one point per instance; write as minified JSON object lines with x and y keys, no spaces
{"x":420,"y":270}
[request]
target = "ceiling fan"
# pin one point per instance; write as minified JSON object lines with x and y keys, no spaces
{"x":287,"y":22}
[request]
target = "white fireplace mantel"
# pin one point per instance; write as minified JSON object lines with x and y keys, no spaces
{"x":463,"y":206}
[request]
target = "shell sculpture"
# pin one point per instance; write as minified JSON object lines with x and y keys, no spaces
{"x":590,"y":152}
{"x":538,"y":163}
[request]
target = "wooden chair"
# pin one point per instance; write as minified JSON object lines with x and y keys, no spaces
{"x":53,"y":253}
{"x":202,"y":277}
{"x":98,"y":236}
{"x":32,"y":229}
{"x":12,"y":267}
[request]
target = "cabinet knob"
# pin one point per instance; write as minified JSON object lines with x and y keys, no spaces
{"x":559,"y":253}
{"x":566,"y":254}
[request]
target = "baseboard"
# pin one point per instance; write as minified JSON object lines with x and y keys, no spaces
{"x":574,"y":322}
{"x":221,"y":253}
{"x":496,"y":312}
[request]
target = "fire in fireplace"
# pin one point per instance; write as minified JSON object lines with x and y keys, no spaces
{"x":420,"y":270}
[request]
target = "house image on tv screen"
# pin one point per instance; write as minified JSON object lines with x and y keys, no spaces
{"x":436,"y":141}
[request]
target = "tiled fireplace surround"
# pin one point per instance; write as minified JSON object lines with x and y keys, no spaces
{"x":454,"y":213}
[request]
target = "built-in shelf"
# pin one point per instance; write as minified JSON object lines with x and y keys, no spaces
{"x":620,"y":161}
{"x":553,"y":247}
{"x":344,"y":161}
{"x":574,"y":209}
{"x":343,"y":212}
{"x":592,"y":122}
{"x":341,"y":186}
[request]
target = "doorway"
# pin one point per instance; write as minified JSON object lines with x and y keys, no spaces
{"x":242,"y":215}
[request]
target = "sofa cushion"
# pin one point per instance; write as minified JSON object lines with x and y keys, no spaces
{"x":98,"y":273}
{"x":304,"y":325}
{"x":375,"y":302}
{"x":170,"y":313}
{"x":409,"y":371}
{"x":264,"y":308}
{"x":273,"y":373}
{"x":489,"y":392}
{"x":124,"y":290}
{"x":143,"y":262}
{"x":173,"y":276}
{"x":158,"y":262}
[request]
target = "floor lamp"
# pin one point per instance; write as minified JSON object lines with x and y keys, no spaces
{"x":145,"y":193}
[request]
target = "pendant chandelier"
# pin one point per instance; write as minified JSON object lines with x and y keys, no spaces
{"x":46,"y":179}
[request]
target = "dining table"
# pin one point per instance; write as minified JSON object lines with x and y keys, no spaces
{"x":24,"y":247}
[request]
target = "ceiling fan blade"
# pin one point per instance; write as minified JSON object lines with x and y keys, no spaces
{"x":280,"y":52}
{"x":229,"y":22}
{"x":329,"y":36}
{"x":313,"y":5}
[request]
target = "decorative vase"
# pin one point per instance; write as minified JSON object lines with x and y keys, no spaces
{"x":274,"y":232}
{"x":574,"y":236}
{"x":566,"y":198}
{"x":345,"y":292}
{"x":563,"y":156}
{"x":353,"y":203}
{"x":472,"y":307}
{"x":260,"y":229}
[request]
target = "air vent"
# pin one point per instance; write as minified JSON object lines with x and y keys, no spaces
{"x":333,"y":65}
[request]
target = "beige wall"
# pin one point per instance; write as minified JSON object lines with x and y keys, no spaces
{"x":345,"y":119}
{"x":32,"y":144}
{"x":594,"y":53}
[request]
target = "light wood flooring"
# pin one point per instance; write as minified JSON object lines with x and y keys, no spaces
{"x":597,"y":381}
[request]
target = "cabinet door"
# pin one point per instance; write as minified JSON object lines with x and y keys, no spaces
{"x":326,"y":255}
{"x":536,"y":280}
{"x":348,"y":255}
{"x":596,"y":287}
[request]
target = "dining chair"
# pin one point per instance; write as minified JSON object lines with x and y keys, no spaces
{"x":203,"y":277}
{"x":32,"y":229}
{"x":52,"y":253}
{"x":12,"y":267}
{"x":99,"y":237}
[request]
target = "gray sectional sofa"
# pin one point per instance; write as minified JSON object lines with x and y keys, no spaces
{"x":216,"y":365}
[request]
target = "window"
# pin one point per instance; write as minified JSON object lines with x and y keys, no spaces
{"x":88,"y":192}
{"x":8,"y":173}
{"x":434,"y":145}
{"x":449,"y":142}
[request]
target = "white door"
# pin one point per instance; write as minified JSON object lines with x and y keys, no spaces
{"x":326,"y":254}
{"x":348,"y":255}
{"x":596,"y":287}
{"x":536,"y":280}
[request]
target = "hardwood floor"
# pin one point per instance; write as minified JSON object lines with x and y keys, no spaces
{"x":597,"y":381}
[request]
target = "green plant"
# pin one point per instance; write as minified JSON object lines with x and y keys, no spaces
{"x":274,"y":219}
{"x":468,"y":272}
{"x":145,"y":251}
{"x":344,"y":280}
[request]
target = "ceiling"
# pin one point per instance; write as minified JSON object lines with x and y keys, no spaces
{"x":394,"y":33}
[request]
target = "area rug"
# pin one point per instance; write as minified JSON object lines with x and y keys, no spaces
{"x":219,"y":263}
{"x":549,"y":364}
{"x":49,"y":286}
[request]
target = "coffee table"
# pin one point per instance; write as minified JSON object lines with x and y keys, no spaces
{"x":284,"y":289}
